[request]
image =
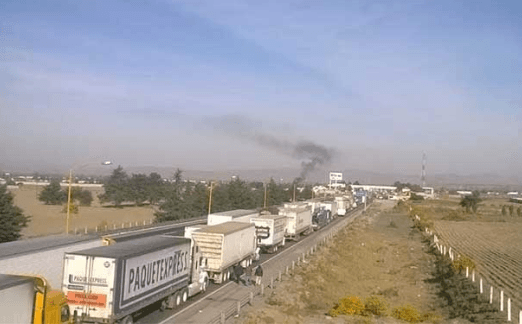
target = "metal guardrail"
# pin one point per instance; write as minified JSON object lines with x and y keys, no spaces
{"x":235,"y":308}
{"x":133,"y":226}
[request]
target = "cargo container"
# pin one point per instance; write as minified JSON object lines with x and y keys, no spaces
{"x":225,"y":246}
{"x":270,"y":232}
{"x":28,"y":300}
{"x":238,"y":215}
{"x":343,"y":204}
{"x":331,"y":206}
{"x":299,"y":220}
{"x":112,"y":283}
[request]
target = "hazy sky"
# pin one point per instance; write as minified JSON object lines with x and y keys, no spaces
{"x":160,"y":82}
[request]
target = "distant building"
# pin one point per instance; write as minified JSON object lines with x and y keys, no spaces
{"x":464,"y":193}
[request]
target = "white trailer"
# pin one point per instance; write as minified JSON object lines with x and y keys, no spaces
{"x":270,"y":232}
{"x":299,"y":220}
{"x":238,"y":215}
{"x":331,"y":206}
{"x":111,"y":284}
{"x":342,"y":205}
{"x":225,"y":246}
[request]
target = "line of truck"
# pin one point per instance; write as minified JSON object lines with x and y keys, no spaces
{"x":115,"y":282}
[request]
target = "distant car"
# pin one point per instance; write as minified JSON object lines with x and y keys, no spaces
{"x":107,"y":163}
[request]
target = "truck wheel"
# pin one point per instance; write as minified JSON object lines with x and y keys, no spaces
{"x":284,"y":241}
{"x":177,"y":297}
{"x":171,"y":302}
{"x":205,"y":285}
{"x":184,"y":295}
{"x":127,"y":320}
{"x":163,"y":305}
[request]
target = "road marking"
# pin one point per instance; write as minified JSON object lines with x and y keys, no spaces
{"x":223,"y":287}
{"x":193,"y":304}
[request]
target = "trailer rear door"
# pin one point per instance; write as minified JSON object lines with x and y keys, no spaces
{"x":88,"y":283}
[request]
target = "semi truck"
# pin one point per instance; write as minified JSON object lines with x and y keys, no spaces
{"x":111,"y":284}
{"x":321,"y":218}
{"x":299,"y":220}
{"x":270,"y":232}
{"x":25,"y":299}
{"x":238,"y":215}
{"x":224,"y":246}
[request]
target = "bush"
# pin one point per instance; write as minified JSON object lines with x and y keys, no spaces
{"x":350,"y":305}
{"x":461,"y":263}
{"x":375,"y":305}
{"x":416,"y":197}
{"x":407,"y":313}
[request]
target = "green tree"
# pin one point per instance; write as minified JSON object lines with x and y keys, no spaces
{"x":504,"y":210}
{"x":83,"y":196}
{"x":173,"y":208}
{"x":519,"y":211}
{"x":12,"y":219}
{"x":471,"y":202}
{"x":137,"y":188}
{"x":53,"y":194}
{"x":116,"y":188}
{"x":276,"y":194}
{"x":178,"y":184}
{"x":197,"y":197}
{"x":155,"y":188}
{"x":220,"y":198}
{"x":511,"y":211}
{"x":240,"y":195}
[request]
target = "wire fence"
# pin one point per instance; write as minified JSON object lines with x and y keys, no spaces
{"x":284,"y":272}
{"x":495,"y":295}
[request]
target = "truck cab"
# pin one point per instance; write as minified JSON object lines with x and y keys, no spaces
{"x":27,"y":299}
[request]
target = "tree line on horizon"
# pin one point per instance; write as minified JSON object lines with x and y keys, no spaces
{"x":179,"y":199}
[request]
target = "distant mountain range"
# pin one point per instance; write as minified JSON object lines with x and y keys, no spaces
{"x":450,"y":181}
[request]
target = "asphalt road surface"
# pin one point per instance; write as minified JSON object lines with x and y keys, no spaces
{"x":205,"y":307}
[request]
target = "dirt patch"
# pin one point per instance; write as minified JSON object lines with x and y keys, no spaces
{"x":380,"y":254}
{"x":48,"y":219}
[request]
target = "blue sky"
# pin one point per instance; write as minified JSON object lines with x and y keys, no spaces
{"x":146,"y":83}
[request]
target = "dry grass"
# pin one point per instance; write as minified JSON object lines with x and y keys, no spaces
{"x":370,"y":267}
{"x":48,"y":219}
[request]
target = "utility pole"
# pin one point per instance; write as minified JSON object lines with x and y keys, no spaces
{"x":69,"y":201}
{"x":294,"y":192}
{"x":210,"y":198}
{"x":264,"y":201}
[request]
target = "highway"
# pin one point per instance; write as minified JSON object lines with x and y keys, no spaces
{"x":44,"y":256}
{"x":203,"y":308}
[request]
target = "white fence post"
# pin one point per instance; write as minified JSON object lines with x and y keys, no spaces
{"x":502,"y":300}
{"x":509,"y":309}
{"x":473,"y":275}
{"x":491,"y":295}
{"x":481,"y":289}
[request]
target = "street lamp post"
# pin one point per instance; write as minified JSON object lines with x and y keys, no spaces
{"x":69,"y":193}
{"x":210,"y":198}
{"x":69,"y":200}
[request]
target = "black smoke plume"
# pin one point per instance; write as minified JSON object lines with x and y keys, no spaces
{"x":313,"y":154}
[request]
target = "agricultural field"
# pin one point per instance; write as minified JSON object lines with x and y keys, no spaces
{"x":496,"y":249}
{"x":47,"y":219}
{"x":490,"y":237}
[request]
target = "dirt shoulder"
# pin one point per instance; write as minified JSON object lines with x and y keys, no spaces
{"x":378,"y":254}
